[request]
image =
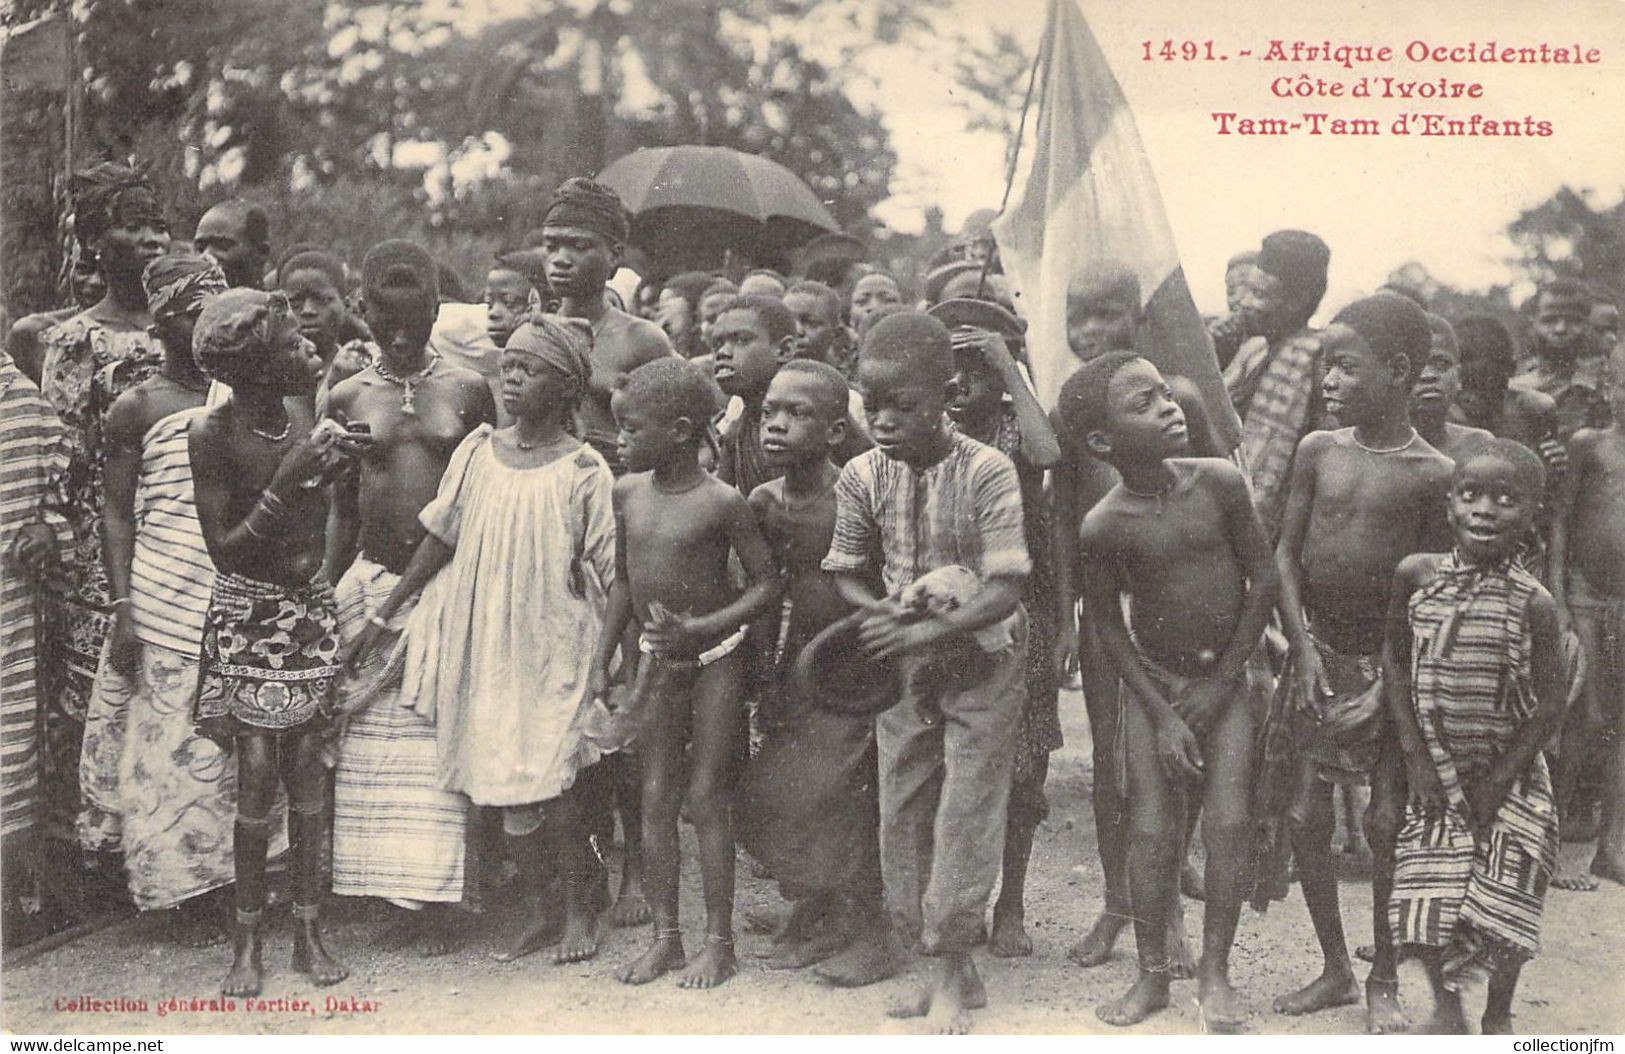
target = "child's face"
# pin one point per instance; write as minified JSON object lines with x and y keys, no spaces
{"x":507,"y":304}
{"x":1236,"y":282}
{"x":319,"y":306}
{"x":1358,"y":386}
{"x":291,"y":365}
{"x":904,"y":409}
{"x":400,"y":322}
{"x":711,"y":310}
{"x":579,"y":261}
{"x":743,"y":356}
{"x":1491,"y":509}
{"x":976,"y":391}
{"x":175,"y":332}
{"x":815,"y":329}
{"x":1604,"y":329}
{"x":1143,"y":420}
{"x":1260,"y":298}
{"x":1562,"y":324}
{"x":1098,"y":324}
{"x":531,"y":388}
{"x":1439,"y":382}
{"x":646,"y":439}
{"x":796,"y":428}
{"x":873,"y":292}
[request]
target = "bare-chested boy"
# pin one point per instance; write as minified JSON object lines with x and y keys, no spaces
{"x":583,"y":238}
{"x":270,"y":640}
{"x":417,"y":409}
{"x":1181,"y":539}
{"x":1103,"y":313}
{"x":1438,"y":382}
{"x":1560,"y":334}
{"x":1588,"y":582}
{"x":676,"y":526}
{"x":1360,"y":499}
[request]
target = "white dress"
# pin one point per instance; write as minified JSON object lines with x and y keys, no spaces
{"x":499,"y":649}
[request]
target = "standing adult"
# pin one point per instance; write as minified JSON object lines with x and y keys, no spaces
{"x":26,"y":340}
{"x":1274,"y":379}
{"x":236,"y":234}
{"x":90,"y":360}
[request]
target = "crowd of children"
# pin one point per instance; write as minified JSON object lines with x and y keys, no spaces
{"x":805,"y":566}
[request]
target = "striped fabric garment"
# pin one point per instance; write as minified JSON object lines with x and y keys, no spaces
{"x":1272,"y":391}
{"x":171,"y":574}
{"x":31,"y":455}
{"x":1479,"y":898}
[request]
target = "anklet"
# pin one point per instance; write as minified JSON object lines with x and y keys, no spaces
{"x":249,"y":918}
{"x":1374,"y":979}
{"x":307,"y":912}
{"x":1163,"y":967}
{"x":669,"y":935}
{"x":711,"y":938}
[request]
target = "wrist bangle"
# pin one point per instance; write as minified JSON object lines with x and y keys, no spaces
{"x":120,"y":600}
{"x":378,"y":620}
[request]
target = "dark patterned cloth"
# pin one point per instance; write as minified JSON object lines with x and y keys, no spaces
{"x":269,"y":655}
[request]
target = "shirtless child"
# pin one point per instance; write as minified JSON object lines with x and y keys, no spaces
{"x":270,"y":640}
{"x":417,"y":409}
{"x":1438,"y":382}
{"x":675,"y":528}
{"x":1180,"y":538}
{"x":1360,"y":499}
{"x":1588,"y":581}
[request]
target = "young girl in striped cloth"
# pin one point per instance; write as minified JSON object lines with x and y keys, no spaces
{"x":1476,"y":686}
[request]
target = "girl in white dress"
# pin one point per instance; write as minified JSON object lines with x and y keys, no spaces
{"x":515,"y":569}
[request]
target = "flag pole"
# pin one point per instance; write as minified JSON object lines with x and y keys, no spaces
{"x":1021,"y":127}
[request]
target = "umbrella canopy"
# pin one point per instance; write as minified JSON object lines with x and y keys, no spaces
{"x":691,"y":205}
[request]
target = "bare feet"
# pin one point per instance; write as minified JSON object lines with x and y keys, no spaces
{"x":1191,"y":882}
{"x":714,"y":965}
{"x":541,"y":927}
{"x":1009,"y":938}
{"x":663,"y":955}
{"x":1148,"y":995}
{"x":870,"y":958}
{"x":631,"y":907}
{"x":1571,"y":877}
{"x":1383,"y":1014}
{"x":582,"y":933}
{"x":246,"y":969}
{"x":797,"y":953}
{"x":1324,"y":992}
{"x":311,"y":959}
{"x":946,"y":1003}
{"x":1497,"y":1025}
{"x":1446,"y":1021}
{"x":1223,"y":1011}
{"x":1096,"y":946}
{"x":437,"y":936}
{"x":1609,"y":865}
{"x":1180,"y":964}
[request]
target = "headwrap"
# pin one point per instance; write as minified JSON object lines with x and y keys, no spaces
{"x":563,"y":343}
{"x":104,"y":193}
{"x":591,"y":206}
{"x":313,"y":260}
{"x":1391,"y":324}
{"x":399,"y":266}
{"x":180,"y":283}
{"x":1298,"y":260}
{"x":234,"y":327}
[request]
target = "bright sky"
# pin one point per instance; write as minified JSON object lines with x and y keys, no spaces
{"x":1378,"y":202}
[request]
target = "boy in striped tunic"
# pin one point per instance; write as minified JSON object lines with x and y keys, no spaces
{"x":1476,"y":685}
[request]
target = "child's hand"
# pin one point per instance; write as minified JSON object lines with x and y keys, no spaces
{"x":1178,"y":752}
{"x":670,"y":632}
{"x":1200,"y":701}
{"x":1313,"y":691}
{"x":598,"y":681}
{"x":362,"y":645}
{"x":1066,"y":652}
{"x":986,"y":343}
{"x":889,"y":638}
{"x":124,"y":650}
{"x":33,"y":549}
{"x":1483,"y":802}
{"x":1422,"y":782}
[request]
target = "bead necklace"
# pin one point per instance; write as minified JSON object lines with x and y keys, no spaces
{"x":408,"y":395}
{"x":1387,"y":449}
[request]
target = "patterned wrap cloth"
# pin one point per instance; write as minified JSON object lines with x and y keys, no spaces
{"x":269,"y":654}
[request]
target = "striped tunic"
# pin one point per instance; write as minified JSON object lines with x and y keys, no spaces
{"x":171,"y":574}
{"x":32,"y":454}
{"x":1471,"y":690}
{"x":964,"y":510}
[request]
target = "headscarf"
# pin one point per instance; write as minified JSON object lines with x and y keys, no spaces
{"x":105,"y":192}
{"x":591,"y":206}
{"x":234,"y":327}
{"x":180,"y":283}
{"x":563,"y":343}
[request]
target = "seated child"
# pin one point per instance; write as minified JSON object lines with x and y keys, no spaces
{"x":1588,"y":580}
{"x":930,"y":498}
{"x":1360,"y":499}
{"x":270,"y":635}
{"x":676,"y":527}
{"x":808,"y":806}
{"x":1475,"y":686}
{"x":1180,"y":538}
{"x":515,"y":569}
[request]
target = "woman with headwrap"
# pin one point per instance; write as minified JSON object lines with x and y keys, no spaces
{"x":90,"y":360}
{"x":151,"y":784}
{"x":515,"y":572}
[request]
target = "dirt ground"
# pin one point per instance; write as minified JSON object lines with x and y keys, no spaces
{"x":1573,"y":987}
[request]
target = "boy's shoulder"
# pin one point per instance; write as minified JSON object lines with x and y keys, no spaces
{"x":767,"y":494}
{"x":1589,"y":443}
